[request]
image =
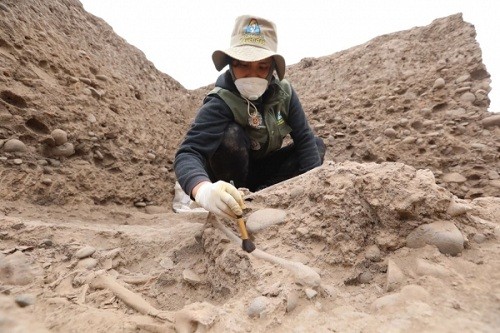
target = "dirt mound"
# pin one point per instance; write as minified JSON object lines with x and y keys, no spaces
{"x":63,"y":69}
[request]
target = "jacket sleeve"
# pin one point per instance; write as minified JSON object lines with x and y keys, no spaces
{"x":302,"y":135}
{"x":200,"y":143}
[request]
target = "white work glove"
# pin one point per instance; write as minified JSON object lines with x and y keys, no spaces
{"x":220,"y":198}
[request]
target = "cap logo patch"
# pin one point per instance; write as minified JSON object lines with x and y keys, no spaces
{"x":252,"y":34}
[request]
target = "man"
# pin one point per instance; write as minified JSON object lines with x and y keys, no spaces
{"x":238,"y":132}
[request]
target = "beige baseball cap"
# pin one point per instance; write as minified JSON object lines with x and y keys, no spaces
{"x":253,"y":39}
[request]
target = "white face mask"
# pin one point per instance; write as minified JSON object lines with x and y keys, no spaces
{"x":251,"y":87}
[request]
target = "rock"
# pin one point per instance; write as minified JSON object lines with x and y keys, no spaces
{"x":85,"y":252}
{"x":191,"y":277}
{"x":310,"y":293}
{"x":24,"y":300}
{"x":264,"y":218}
{"x":454,"y":177}
{"x":88,"y":263}
{"x":468,"y":97}
{"x":257,"y":307}
{"x":439,"y":83}
{"x":60,"y":137}
{"x":423,"y":267}
{"x":394,"y":277}
{"x":292,"y":300}
{"x":65,"y":150}
{"x":390,"y":133}
{"x":491,"y":121}
{"x":167,"y":263}
{"x":443,"y":234}
{"x":14,"y":146}
{"x":458,"y":207}
{"x":372,"y":253}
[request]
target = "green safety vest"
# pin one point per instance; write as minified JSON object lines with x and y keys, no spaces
{"x":269,"y":137}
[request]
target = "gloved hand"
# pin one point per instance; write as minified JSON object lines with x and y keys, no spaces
{"x":220,"y":198}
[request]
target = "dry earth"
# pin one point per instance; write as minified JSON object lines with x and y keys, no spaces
{"x":398,"y":231}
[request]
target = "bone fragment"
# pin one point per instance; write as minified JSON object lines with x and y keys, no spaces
{"x":135,"y":301}
{"x":304,"y":275}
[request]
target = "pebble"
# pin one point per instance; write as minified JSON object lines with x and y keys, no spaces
{"x":394,"y":277}
{"x":491,"y":121}
{"x":88,"y":263}
{"x":423,"y":267}
{"x":390,"y":132}
{"x":14,"y":146}
{"x":60,"y":137}
{"x":167,"y":263}
{"x":65,"y":150}
{"x":479,"y":238}
{"x":191,"y":277}
{"x":439,"y":83}
{"x":310,"y":293}
{"x":46,"y":181}
{"x":296,"y":192}
{"x":453,"y":177}
{"x":24,"y":300}
{"x":292,"y":300}
{"x":17,"y":161}
{"x":257,"y":307}
{"x":265,"y":218}
{"x":468,"y":97}
{"x":443,"y":234}
{"x":373,"y":253}
{"x":85,"y":252}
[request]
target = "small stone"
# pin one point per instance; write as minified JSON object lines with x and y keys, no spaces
{"x":390,"y":133}
{"x":365,"y":277}
{"x":454,"y":177}
{"x":491,"y":121}
{"x":101,"y":77}
{"x":167,"y":263}
{"x":65,"y":150}
{"x":85,"y":252}
{"x":395,"y":276}
{"x":479,"y":238}
{"x":151,"y":156}
{"x":14,"y":146}
{"x":443,"y":234}
{"x":439,"y":83}
{"x":292,"y":300}
{"x":265,"y":218}
{"x":140,"y":204}
{"x":468,"y":97}
{"x":87,"y":263}
{"x":310,"y":293}
{"x":296,"y":192}
{"x":46,"y":243}
{"x":17,"y":161}
{"x":423,"y":267}
{"x":60,"y":137}
{"x":46,"y":181}
{"x":191,"y":277}
{"x":373,"y":253}
{"x":24,"y":300}
{"x":257,"y":307}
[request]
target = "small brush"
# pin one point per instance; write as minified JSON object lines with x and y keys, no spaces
{"x":246,"y":244}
